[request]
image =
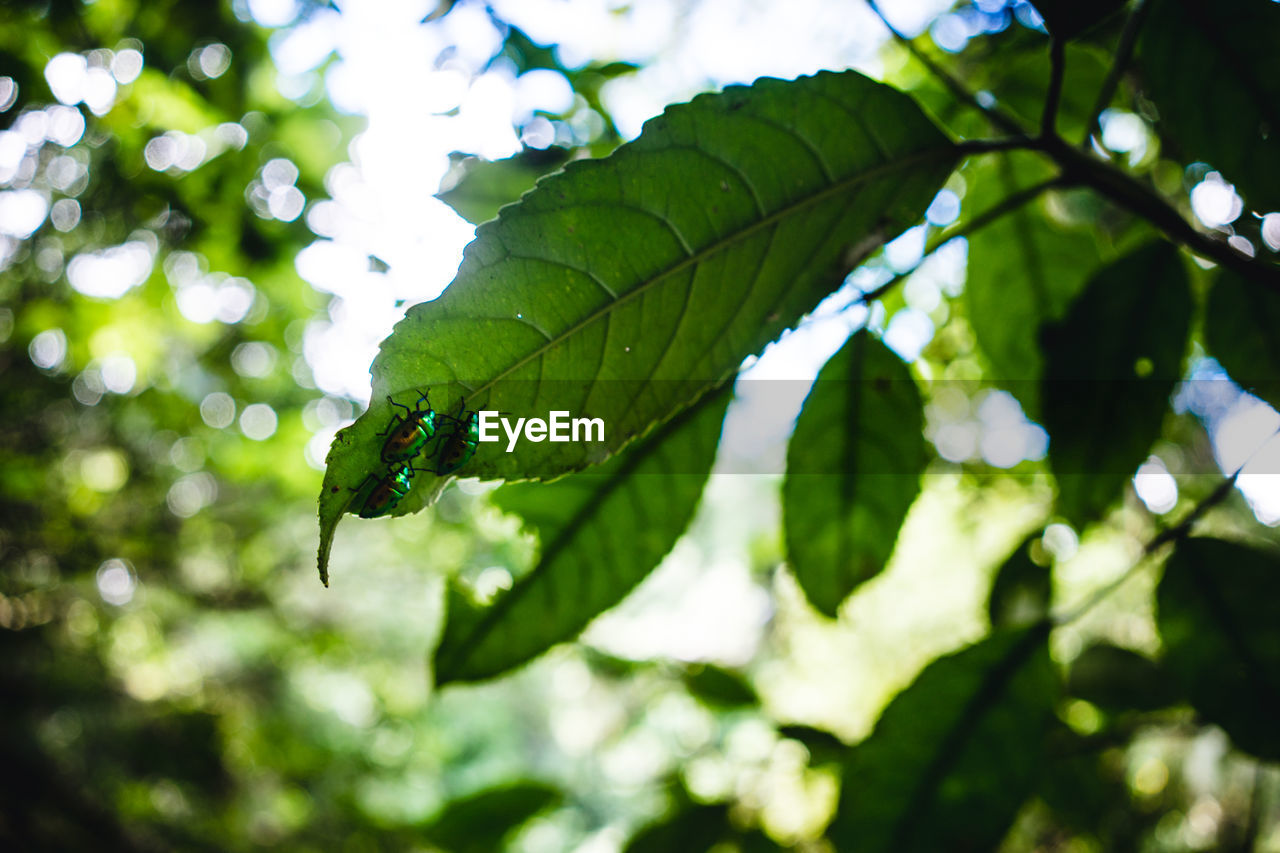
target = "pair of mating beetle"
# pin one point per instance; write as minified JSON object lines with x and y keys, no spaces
{"x":455,"y":439}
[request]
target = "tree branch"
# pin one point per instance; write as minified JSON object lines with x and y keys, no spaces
{"x":1007,"y":205}
{"x":1121,"y":188}
{"x":1164,"y":537}
{"x":998,"y":118}
{"x":1124,"y":51}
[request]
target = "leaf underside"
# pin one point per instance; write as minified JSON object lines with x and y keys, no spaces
{"x":853,"y":470}
{"x":1217,"y":618}
{"x":1213,"y":72}
{"x":955,"y":754}
{"x":623,"y":288}
{"x":602,"y":532}
{"x":1240,"y":332}
{"x":1114,"y":359}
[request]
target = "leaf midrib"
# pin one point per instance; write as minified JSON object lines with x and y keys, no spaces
{"x":990,"y":690}
{"x":712,"y":249}
{"x":589,"y":510}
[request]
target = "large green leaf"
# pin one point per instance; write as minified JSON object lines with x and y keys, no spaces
{"x":622,"y":288}
{"x":694,"y":829}
{"x":1118,"y":679}
{"x":602,"y":532}
{"x":955,"y":754}
{"x":1240,"y":330}
{"x":1018,"y":73}
{"x":1213,"y":71}
{"x":1024,"y":270}
{"x":1111,"y":365}
{"x":479,"y":822}
{"x":853,"y":469}
{"x":1217,"y":617}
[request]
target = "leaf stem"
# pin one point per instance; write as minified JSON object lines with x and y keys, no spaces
{"x":1083,"y":169}
{"x":998,"y":118}
{"x":1007,"y":205}
{"x":1124,"y":51}
{"x":1165,"y":537}
{"x":1086,"y":170}
{"x":1057,"y":69}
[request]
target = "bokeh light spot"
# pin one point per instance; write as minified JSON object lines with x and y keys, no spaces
{"x":116,"y":582}
{"x":218,"y":410}
{"x":1215,"y":202}
{"x":192,"y":493}
{"x":48,"y":349}
{"x":1155,"y":486}
{"x":22,"y":212}
{"x":258,"y":421}
{"x":126,"y":65}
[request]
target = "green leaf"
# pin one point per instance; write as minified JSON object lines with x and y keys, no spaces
{"x":1111,"y":365}
{"x":955,"y":754}
{"x":853,"y":469}
{"x":625,"y":287}
{"x":1213,"y":71}
{"x":695,"y":829}
{"x":478,"y":188}
{"x":1021,"y":589}
{"x":1240,"y":331}
{"x":1066,"y":19}
{"x":1117,"y":679}
{"x":1024,"y":269}
{"x":823,"y":746}
{"x":1084,"y":792}
{"x":1217,"y":617}
{"x":602,"y":532}
{"x":1019,"y":78}
{"x":479,"y":822}
{"x":719,"y":687}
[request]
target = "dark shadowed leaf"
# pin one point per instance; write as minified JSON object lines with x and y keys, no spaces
{"x":1118,"y":679}
{"x":1076,"y":786}
{"x":1213,"y":71}
{"x":1111,"y":365}
{"x":1240,"y":331}
{"x":694,"y":830}
{"x":953,"y":756}
{"x":1217,"y":617}
{"x":823,"y":746}
{"x":602,"y":532}
{"x":1066,"y":19}
{"x":623,"y":288}
{"x":1024,"y":270}
{"x":478,"y":188}
{"x":719,"y":687}
{"x":853,"y":469}
{"x":1021,"y":589}
{"x":478,"y":823}
{"x":1020,"y":80}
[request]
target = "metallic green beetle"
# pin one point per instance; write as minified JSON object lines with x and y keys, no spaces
{"x":387,"y":492}
{"x":408,"y":433}
{"x":458,"y":438}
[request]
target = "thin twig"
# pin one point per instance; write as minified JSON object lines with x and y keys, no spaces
{"x":1007,"y":205}
{"x":1164,"y":537}
{"x":1057,"y":68}
{"x":998,"y":118}
{"x":1124,"y":51}
{"x":1086,"y":170}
